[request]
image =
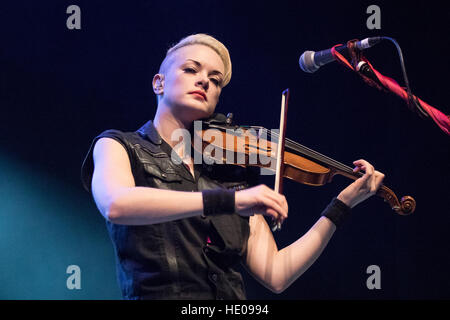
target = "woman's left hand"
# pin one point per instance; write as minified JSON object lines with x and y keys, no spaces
{"x":364,"y":187}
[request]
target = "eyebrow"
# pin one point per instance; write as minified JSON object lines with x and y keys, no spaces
{"x":199,"y":65}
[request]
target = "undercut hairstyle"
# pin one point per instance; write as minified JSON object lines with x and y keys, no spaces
{"x":206,"y":40}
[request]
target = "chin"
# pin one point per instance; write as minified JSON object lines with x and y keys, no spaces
{"x":200,"y":114}
{"x":192,"y":112}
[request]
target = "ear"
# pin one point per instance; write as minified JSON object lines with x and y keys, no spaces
{"x":158,"y":84}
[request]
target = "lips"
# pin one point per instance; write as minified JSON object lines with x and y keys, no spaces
{"x":200,"y":93}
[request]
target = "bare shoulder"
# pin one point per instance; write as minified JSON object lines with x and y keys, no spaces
{"x":111,"y":162}
{"x":108,"y":148}
{"x":112,"y":168}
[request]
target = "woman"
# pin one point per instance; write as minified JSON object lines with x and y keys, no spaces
{"x":180,"y":229}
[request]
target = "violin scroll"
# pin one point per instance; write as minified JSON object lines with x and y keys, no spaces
{"x":406,"y":206}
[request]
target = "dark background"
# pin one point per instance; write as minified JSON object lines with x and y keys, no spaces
{"x":59,"y":88}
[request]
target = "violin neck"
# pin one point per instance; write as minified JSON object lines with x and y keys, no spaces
{"x":335,"y":166}
{"x":405,"y":206}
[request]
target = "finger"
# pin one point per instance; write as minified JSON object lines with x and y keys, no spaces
{"x":280,"y":219}
{"x":365,"y":179}
{"x":379,"y":177}
{"x":272,"y":213}
{"x":368,"y":178}
{"x":280,"y":200}
{"x":365,"y":165}
{"x":273,"y":206}
{"x":373,"y":184}
{"x":360,"y":162}
{"x":276,"y":224}
{"x":266,"y":211}
{"x":369,"y":172}
{"x":357,"y":163}
{"x":361,"y":169}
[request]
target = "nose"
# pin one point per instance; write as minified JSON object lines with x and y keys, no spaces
{"x":203,"y":81}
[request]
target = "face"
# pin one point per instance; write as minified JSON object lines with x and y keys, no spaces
{"x":190,"y":84}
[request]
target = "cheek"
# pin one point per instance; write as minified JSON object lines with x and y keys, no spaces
{"x":175,"y":79}
{"x":213,"y":100}
{"x":177,"y":83}
{"x":216,"y":95}
{"x":174,"y":88}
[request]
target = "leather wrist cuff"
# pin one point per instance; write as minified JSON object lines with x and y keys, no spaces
{"x":336,"y":211}
{"x":218,"y":201}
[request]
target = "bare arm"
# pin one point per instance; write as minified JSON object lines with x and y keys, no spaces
{"x":121,"y":202}
{"x":278,"y":269}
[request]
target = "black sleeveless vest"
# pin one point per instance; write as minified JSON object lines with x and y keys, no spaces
{"x":194,"y":258}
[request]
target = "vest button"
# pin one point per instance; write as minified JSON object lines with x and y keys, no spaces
{"x":214,"y":277}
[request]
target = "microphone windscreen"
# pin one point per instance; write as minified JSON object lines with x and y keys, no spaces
{"x":306,"y":62}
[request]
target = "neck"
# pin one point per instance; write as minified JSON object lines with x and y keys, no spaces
{"x":166,"y":123}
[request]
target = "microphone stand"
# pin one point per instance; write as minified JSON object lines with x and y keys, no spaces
{"x":374,"y":78}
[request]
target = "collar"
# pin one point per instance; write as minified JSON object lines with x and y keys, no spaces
{"x":149,"y":131}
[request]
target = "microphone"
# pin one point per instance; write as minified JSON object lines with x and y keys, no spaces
{"x":311,"y":61}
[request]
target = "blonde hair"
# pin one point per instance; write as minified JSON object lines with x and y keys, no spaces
{"x":206,"y":40}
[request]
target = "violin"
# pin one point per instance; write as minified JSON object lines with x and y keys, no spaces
{"x":225,"y":143}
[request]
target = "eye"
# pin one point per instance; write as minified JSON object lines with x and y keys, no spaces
{"x":215,"y":81}
{"x":189,"y":70}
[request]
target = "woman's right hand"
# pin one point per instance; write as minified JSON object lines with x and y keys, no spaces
{"x":261,"y":200}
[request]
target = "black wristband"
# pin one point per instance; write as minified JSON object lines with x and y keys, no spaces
{"x":218,"y":201}
{"x":336,"y":211}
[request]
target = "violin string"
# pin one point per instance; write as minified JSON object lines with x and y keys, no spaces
{"x":321,"y":156}
{"x":325,"y":159}
{"x":309,"y":152}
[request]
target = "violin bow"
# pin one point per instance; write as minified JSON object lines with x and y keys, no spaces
{"x":278,"y":186}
